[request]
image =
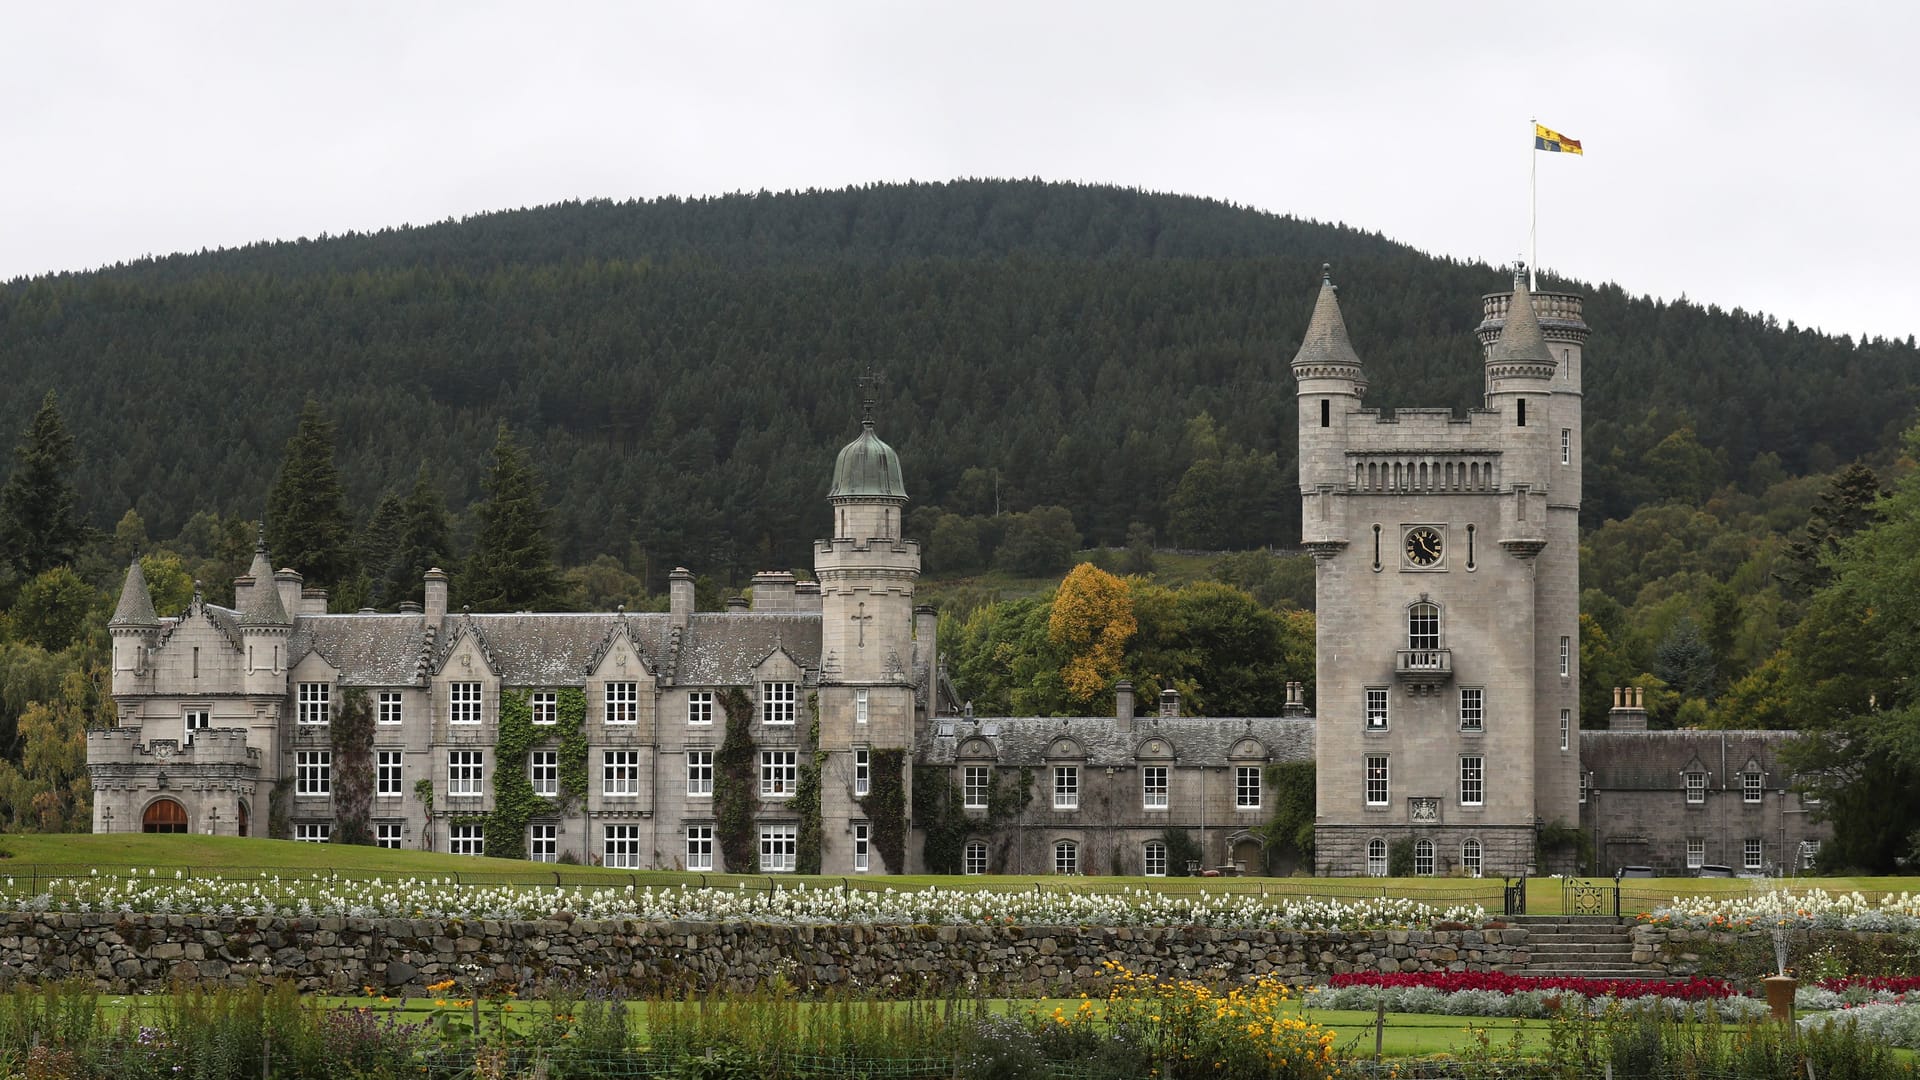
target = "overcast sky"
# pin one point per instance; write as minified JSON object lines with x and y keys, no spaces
{"x":1761,"y":155}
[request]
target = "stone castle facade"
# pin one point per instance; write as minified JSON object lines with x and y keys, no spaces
{"x":1446,"y":552}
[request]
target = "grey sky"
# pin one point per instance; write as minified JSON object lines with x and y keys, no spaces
{"x":1759,"y":155}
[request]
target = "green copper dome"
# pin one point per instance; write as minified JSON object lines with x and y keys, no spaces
{"x":867,"y":467}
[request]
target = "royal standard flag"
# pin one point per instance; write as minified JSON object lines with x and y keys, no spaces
{"x":1545,"y":138}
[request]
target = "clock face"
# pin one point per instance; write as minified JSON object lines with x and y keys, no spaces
{"x":1424,"y":545}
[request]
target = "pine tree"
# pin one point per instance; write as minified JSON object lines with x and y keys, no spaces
{"x":420,"y":543}
{"x":37,"y":518}
{"x":378,"y":543}
{"x":307,"y":523}
{"x":512,"y":566}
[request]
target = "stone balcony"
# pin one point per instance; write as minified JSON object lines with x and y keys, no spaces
{"x":1423,"y":669}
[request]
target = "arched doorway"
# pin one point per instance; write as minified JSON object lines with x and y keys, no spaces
{"x":164,"y":816}
{"x":243,"y":819}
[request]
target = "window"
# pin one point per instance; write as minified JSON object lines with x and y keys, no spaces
{"x":543,"y":843}
{"x":543,"y":771}
{"x":1066,"y":787}
{"x":1566,"y":446}
{"x":1155,"y":860}
{"x":1326,"y":412}
{"x":387,"y":773}
{"x":620,"y":846}
{"x":387,"y":835}
{"x":1376,"y":857}
{"x":1377,"y":707}
{"x":1809,"y":853}
{"x":196,"y":720}
{"x":313,"y":832}
{"x":1586,"y":782}
{"x":974,"y":784}
{"x":463,"y":703}
{"x":1750,"y":789}
{"x":313,"y":702}
{"x":862,"y":771}
{"x":1520,"y":414}
{"x":466,"y":772}
{"x":1696,"y":853}
{"x":390,"y":712}
{"x":1566,"y":728}
{"x":699,"y":847}
{"x":623,"y":703}
{"x":620,"y":773}
{"x":860,"y":834}
{"x":313,"y":772}
{"x":700,"y":772}
{"x":1470,"y":857}
{"x":1473,"y":708}
{"x":545,"y":705}
{"x":1376,"y":779}
{"x":779,"y":847}
{"x":776,"y":703}
{"x":1066,"y":857}
{"x":1473,"y":780}
{"x":778,"y":772}
{"x":1153,"y":787}
{"x":1696,"y":786}
{"x":1423,"y":858}
{"x":1423,"y":627}
{"x":1566,"y":657}
{"x":1753,"y":852}
{"x":700,"y":708}
{"x":467,"y":840}
{"x":1246,"y":787}
{"x":860,"y":706}
{"x":973,"y":862}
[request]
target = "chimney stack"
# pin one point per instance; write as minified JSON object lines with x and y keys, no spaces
{"x":1123,"y":705}
{"x":736,"y":605}
{"x":806,"y":597}
{"x":680,"y":596}
{"x":313,"y":602}
{"x":436,"y":595}
{"x":773,"y":591}
{"x":926,"y":641}
{"x":1169,"y":703}
{"x":1296,"y":704}
{"x":1629,"y":712}
{"x":288,"y":581}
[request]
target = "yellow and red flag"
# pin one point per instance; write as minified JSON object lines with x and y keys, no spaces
{"x":1545,"y":138}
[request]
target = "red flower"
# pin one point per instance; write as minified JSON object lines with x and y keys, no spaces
{"x":1697,"y":988}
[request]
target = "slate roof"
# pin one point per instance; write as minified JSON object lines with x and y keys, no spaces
{"x":367,"y":650}
{"x":136,"y":604}
{"x":724,"y":649}
{"x":551,"y":648}
{"x":1521,"y":338}
{"x":1197,"y":740}
{"x":1654,"y":760}
{"x":1326,"y":341}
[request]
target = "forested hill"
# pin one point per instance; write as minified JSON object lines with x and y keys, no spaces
{"x":685,"y":369}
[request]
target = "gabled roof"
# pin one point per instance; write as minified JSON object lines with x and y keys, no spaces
{"x":725,"y":649}
{"x":367,"y":650}
{"x":1654,"y":760}
{"x":1198,"y":740}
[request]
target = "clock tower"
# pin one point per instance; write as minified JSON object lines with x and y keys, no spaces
{"x":1446,"y":553}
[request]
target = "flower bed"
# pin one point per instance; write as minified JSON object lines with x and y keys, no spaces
{"x":1698,"y":988}
{"x":1891,"y":984}
{"x":1809,"y":909}
{"x":1888,"y":1023}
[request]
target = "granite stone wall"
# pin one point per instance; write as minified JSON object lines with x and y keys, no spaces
{"x":131,"y":953}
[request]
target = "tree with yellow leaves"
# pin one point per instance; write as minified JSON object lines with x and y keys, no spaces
{"x":1091,"y":622}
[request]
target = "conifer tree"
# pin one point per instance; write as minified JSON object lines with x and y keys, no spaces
{"x":307,"y":524}
{"x":512,"y":565}
{"x":421,"y":541}
{"x":37,"y":518}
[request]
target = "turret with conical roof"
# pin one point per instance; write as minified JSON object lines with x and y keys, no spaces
{"x":1331,"y":384}
{"x":261,"y":605}
{"x":265,"y":627}
{"x":134,"y":628}
{"x":135,"y":609}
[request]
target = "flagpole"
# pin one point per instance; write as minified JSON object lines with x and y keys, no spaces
{"x":1533,"y":206}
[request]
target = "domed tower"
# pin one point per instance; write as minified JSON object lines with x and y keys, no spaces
{"x":135,"y":628}
{"x":866,"y":573}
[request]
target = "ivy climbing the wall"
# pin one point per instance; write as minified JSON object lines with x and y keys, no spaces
{"x":941,"y":813}
{"x":351,"y":736}
{"x":1289,"y":832}
{"x":734,"y":783}
{"x":279,"y":809}
{"x":886,"y":807}
{"x":810,"y":841}
{"x":514,"y":802}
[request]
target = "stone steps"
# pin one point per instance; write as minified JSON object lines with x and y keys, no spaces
{"x":1579,"y":946}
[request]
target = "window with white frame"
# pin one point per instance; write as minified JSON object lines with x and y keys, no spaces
{"x":390,"y":707}
{"x":1376,"y":774}
{"x":1566,"y":728}
{"x":975,"y":782}
{"x":699,"y":847}
{"x":1470,"y":857}
{"x":779,"y":773}
{"x":1754,"y":851}
{"x":463,"y":703}
{"x":313,"y":702}
{"x":467,"y":840}
{"x":623,"y":703}
{"x":543,"y":842}
{"x":1246,"y":787}
{"x":861,"y":832}
{"x":193,"y":720}
{"x":1750,"y":787}
{"x":700,"y":708}
{"x":776,"y":703}
{"x":1423,"y":627}
{"x":1566,"y":657}
{"x":620,"y":773}
{"x":1586,"y":782}
{"x":543,"y":772}
{"x":1066,"y":787}
{"x":313,"y":832}
{"x":387,"y":834}
{"x":1473,"y":780}
{"x":1696,"y":852}
{"x":779,"y":848}
{"x":860,"y":706}
{"x":1566,"y":446}
{"x":466,"y":772}
{"x":545,"y":705}
{"x":1376,"y":857}
{"x":1696,"y":786}
{"x":973,"y":860}
{"x":389,"y":773}
{"x":1154,"y":859}
{"x":1473,"y":708}
{"x":1423,"y":858}
{"x":700,"y":773}
{"x":862,"y":771}
{"x":620,"y":846}
{"x":1066,"y":857}
{"x":313,"y":772}
{"x":1153,"y":787}
{"x":1377,"y":707}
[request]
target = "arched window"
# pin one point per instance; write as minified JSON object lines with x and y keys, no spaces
{"x":1156,"y":859}
{"x":1470,"y":857}
{"x":1423,"y":626}
{"x":1066,"y":857}
{"x":974,"y":861}
{"x":164,"y":816}
{"x":1376,"y":857}
{"x":1423,"y":858}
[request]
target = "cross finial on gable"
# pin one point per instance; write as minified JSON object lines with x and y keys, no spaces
{"x":870,"y":380}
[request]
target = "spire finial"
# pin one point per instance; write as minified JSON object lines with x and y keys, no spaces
{"x":260,"y":537}
{"x":1326,"y":273}
{"x":868,"y":382}
{"x":1519,"y":271}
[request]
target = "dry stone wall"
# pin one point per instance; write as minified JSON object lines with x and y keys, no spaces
{"x":131,"y":953}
